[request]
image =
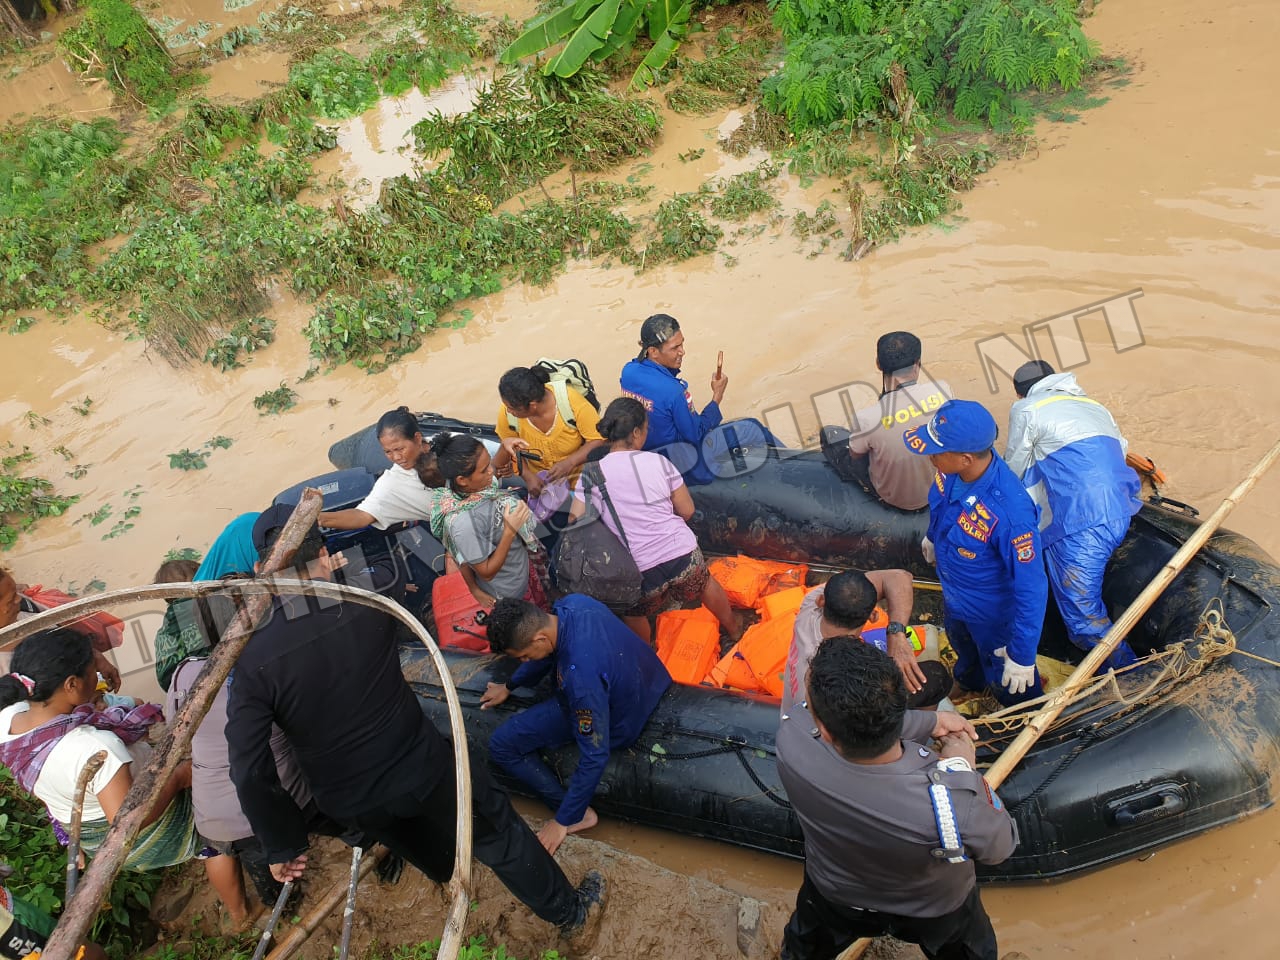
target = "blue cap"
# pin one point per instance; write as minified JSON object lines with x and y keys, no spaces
{"x":959,"y":426}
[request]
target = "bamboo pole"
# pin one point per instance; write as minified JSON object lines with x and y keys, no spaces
{"x":1065,"y":694}
{"x":148,"y":784}
{"x":300,"y":932}
{"x":459,"y":884}
{"x":349,"y":912}
{"x":273,"y":921}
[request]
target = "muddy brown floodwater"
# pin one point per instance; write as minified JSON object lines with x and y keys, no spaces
{"x":1172,"y":188}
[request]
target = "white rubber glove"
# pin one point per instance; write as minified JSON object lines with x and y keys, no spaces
{"x":929,"y":553}
{"x":1016,"y":678}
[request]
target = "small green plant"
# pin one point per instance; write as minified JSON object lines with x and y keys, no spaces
{"x":183,"y":553}
{"x":114,"y":42}
{"x":692,"y":154}
{"x":220,"y":443}
{"x":99,"y":516}
{"x":683,"y":231}
{"x":24,"y":500}
{"x":79,"y":472}
{"x":21,"y":324}
{"x":187,"y":459}
{"x":745,"y":194}
{"x":64,"y":453}
{"x":83,"y":407}
{"x":276,"y":401}
{"x":244,"y":337}
{"x":35,"y":421}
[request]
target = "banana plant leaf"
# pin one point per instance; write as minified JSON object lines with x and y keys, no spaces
{"x":663,"y":14}
{"x":665,"y":44}
{"x":544,"y":31}
{"x":625,"y":29}
{"x":585,"y":41}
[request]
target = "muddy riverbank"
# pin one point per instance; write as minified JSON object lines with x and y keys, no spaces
{"x":1173,"y":188}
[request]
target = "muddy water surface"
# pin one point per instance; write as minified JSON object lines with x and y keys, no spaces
{"x":1173,"y":187}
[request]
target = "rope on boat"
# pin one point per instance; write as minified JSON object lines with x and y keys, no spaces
{"x":1150,"y":676}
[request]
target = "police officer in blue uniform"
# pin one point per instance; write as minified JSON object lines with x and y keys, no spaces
{"x":984,"y":536}
{"x":608,"y":682}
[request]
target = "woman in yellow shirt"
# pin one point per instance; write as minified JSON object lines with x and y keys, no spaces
{"x":551,"y":419}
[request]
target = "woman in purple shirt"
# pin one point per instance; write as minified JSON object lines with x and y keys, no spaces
{"x":653,"y":505}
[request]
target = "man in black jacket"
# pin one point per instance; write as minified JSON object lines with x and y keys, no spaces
{"x":329,"y":676}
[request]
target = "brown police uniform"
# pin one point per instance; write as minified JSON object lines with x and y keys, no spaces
{"x":889,"y":848}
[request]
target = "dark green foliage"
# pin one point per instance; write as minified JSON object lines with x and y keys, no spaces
{"x":683,"y":231}
{"x":922,"y":192}
{"x":276,"y":401}
{"x":245,"y":336}
{"x":336,"y":84}
{"x":591,"y":31}
{"x":971,"y":55}
{"x":113,"y":41}
{"x":25,"y":499}
{"x":183,"y":553}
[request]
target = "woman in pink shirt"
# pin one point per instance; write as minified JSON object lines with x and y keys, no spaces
{"x":653,"y":504}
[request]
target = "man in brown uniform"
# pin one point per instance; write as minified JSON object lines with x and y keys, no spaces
{"x":891,"y":828}
{"x":880,"y":460}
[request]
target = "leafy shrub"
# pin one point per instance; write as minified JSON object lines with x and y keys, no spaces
{"x":592,"y":31}
{"x":114,"y":42}
{"x":336,"y":84}
{"x":276,"y":401}
{"x":683,"y":231}
{"x":25,"y":499}
{"x":973,"y":55}
{"x":245,"y":336}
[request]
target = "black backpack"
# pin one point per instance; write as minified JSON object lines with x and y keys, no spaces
{"x":592,"y":561}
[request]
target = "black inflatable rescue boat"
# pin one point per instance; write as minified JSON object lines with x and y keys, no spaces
{"x":1190,"y":743}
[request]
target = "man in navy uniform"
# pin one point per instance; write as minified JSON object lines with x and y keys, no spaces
{"x":891,"y":828}
{"x":608,"y":682}
{"x":984,"y":536}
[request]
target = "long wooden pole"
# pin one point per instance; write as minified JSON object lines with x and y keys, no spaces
{"x":459,"y":885}
{"x":148,"y":784}
{"x":1065,"y":694}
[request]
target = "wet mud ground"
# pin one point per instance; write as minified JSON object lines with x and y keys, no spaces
{"x":1172,"y":187}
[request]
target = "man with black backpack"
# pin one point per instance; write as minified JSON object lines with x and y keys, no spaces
{"x":608,"y":682}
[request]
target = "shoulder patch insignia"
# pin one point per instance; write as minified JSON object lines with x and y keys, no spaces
{"x":586,"y":723}
{"x":1025,"y":547}
{"x":937,"y":480}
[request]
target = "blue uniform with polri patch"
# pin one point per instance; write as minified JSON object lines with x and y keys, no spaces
{"x":987,"y":539}
{"x":608,"y":682}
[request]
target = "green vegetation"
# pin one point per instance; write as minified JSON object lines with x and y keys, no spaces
{"x":83,"y":406}
{"x":592,"y":31}
{"x":24,"y":500}
{"x":114,"y":42}
{"x":183,"y":553}
{"x":971,"y":56}
{"x":275,"y":401}
{"x":27,"y":840}
{"x":244,"y":337}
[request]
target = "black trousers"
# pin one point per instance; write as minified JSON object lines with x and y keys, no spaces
{"x":419,"y":825}
{"x":822,"y":930}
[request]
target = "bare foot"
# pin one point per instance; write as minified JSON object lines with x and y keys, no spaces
{"x":589,"y":820}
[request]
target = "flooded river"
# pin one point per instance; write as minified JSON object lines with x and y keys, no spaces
{"x":1172,"y":188}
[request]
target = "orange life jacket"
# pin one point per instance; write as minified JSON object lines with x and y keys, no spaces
{"x":688,"y":643}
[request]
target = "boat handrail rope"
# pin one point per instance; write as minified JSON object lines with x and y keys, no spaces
{"x":1178,"y":662}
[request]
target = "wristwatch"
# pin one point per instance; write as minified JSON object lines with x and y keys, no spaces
{"x":895,"y":627}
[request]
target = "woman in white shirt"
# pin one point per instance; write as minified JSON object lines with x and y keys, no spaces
{"x":399,"y":494}
{"x":48,"y":732}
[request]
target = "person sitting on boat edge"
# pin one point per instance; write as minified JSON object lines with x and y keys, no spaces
{"x":486,"y":528}
{"x":552,"y":421}
{"x":984,"y":536}
{"x":653,"y":508}
{"x":1070,"y":456}
{"x":879,"y":460}
{"x":608,"y":683}
{"x":676,"y":428}
{"x":845,"y":606}
{"x":399,"y":495}
{"x":891,"y":828}
{"x":377,"y":765}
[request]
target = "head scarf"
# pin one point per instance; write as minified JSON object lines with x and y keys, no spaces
{"x":232,"y":552}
